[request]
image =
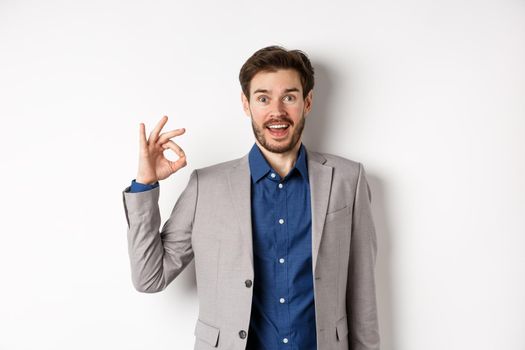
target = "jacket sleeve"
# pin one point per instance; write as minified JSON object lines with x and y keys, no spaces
{"x":156,"y":258}
{"x":361,"y":294}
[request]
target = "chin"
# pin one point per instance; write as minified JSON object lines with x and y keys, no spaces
{"x":278,"y":147}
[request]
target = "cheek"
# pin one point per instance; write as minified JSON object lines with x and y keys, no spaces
{"x":295,"y":107}
{"x":258,"y":113}
{"x":296,"y":112}
{"x":257,"y":117}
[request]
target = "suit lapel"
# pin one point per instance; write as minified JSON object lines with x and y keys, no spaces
{"x":240,"y":187}
{"x":320,"y":178}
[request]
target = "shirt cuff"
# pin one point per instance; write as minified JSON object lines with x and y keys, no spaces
{"x":140,"y":187}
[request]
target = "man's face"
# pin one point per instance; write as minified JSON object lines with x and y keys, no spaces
{"x":277,"y":109}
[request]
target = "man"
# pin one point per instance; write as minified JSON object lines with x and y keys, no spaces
{"x":283,"y":238}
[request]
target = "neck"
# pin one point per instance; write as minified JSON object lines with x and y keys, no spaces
{"x":281,"y":162}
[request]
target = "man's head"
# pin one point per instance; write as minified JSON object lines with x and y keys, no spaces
{"x":277,"y":91}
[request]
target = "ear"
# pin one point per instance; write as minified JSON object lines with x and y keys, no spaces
{"x":245,"y":104}
{"x":308,"y":101}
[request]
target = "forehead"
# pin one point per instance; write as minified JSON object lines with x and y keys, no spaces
{"x":276,"y":82}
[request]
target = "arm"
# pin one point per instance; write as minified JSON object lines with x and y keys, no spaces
{"x":361,"y":294}
{"x":156,"y":258}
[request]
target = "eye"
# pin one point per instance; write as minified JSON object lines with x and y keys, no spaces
{"x":262,"y":99}
{"x":289,"y":98}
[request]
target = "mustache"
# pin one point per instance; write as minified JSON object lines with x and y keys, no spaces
{"x":279,"y":120}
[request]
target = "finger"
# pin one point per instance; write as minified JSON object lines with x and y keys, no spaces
{"x":155,"y":132}
{"x":174,"y":147}
{"x":179,"y":163}
{"x":142,"y":135}
{"x":168,"y":135}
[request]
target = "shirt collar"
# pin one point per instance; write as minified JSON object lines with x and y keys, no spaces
{"x":259,"y":166}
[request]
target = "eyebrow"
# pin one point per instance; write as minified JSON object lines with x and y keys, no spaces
{"x":266,"y":91}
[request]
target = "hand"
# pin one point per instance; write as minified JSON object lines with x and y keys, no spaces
{"x":153,"y":166}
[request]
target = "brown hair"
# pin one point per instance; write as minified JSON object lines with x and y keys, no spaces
{"x":271,"y":58}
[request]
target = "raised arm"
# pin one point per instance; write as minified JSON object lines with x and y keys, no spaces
{"x":157,"y":257}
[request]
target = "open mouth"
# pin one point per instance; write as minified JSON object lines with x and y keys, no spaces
{"x":278,"y":129}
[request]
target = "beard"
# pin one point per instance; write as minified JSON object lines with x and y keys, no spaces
{"x":259,"y":133}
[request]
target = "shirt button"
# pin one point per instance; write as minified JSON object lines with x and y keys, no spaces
{"x":281,"y":300}
{"x":242,"y":334}
{"x":281,"y":260}
{"x":285,"y":340}
{"x":281,"y":221}
{"x":248,"y":283}
{"x":272,"y":175}
{"x":280,"y":185}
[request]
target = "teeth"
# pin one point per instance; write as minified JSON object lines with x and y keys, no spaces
{"x":278,"y":126}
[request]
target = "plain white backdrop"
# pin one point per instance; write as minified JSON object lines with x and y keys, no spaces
{"x":428,"y":95}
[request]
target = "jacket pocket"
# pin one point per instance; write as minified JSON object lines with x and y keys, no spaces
{"x":341,"y":328}
{"x":206,"y":333}
{"x":342,"y":212}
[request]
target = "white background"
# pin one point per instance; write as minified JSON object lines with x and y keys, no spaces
{"x":428,"y":95}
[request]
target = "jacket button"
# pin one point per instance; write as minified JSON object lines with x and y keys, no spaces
{"x":248,"y":283}
{"x":242,"y":334}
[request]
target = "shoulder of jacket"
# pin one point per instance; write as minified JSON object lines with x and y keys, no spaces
{"x":218,"y":168}
{"x":337,"y":161}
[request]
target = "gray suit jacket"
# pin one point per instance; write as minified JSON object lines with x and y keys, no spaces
{"x":211,"y":222}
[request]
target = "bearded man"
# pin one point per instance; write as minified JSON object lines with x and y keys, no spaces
{"x":283,"y":238}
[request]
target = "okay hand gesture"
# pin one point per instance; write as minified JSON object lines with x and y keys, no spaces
{"x":153,"y":166}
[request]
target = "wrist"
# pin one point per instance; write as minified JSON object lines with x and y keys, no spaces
{"x":145,"y":181}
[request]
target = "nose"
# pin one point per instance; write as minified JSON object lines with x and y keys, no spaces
{"x":277,"y":108}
